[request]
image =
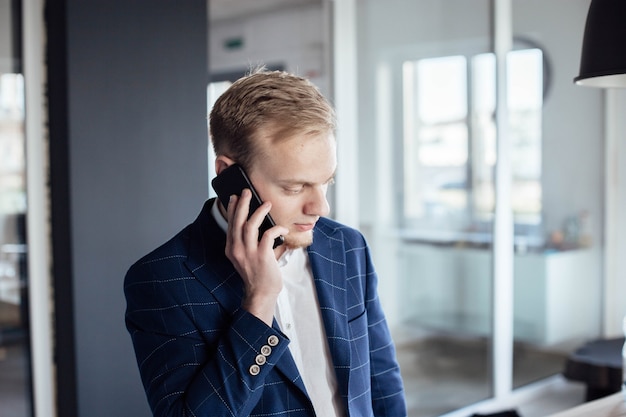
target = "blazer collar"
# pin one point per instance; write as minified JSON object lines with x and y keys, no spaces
{"x":208,"y":262}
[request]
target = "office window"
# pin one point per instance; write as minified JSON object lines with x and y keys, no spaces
{"x":435,"y":137}
{"x":449,"y":141}
{"x":15,"y":366}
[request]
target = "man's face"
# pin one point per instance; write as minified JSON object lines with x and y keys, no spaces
{"x":294,"y":175}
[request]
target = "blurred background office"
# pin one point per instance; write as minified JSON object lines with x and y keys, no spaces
{"x":486,"y":182}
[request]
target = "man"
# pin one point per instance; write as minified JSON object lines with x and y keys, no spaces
{"x":222,"y":323}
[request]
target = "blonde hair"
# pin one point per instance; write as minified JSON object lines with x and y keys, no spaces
{"x":277,"y":102}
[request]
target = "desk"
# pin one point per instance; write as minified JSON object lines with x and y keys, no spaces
{"x":612,"y":406}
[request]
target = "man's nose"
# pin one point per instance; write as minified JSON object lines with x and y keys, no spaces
{"x":318,"y":203}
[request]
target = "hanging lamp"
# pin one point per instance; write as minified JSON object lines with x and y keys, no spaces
{"x":603,"y":58}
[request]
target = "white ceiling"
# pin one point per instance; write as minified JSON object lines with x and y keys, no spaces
{"x":228,"y":9}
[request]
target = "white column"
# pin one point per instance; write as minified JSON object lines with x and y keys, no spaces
{"x":38,"y":214}
{"x":615,"y":221}
{"x":502,"y":300}
{"x":345,"y":75}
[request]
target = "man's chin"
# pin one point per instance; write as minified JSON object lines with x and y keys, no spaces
{"x":299,"y":240}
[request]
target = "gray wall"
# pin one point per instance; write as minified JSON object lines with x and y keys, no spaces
{"x":137,"y":74}
{"x":6,"y":37}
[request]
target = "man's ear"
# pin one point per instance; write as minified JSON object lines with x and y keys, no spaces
{"x":221,"y":163}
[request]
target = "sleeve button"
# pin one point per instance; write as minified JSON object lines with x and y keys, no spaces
{"x":260,"y":360}
{"x":266,"y":350}
{"x":272,"y":340}
{"x":255,"y":369}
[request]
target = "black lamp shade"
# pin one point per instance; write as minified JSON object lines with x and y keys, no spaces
{"x":603,"y":58}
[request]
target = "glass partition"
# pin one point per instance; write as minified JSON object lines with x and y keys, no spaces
{"x":15,"y":392}
{"x":558,"y":279}
{"x":427,"y":155}
{"x":427,"y":152}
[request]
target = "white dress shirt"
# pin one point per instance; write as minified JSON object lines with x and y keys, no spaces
{"x":299,"y":316}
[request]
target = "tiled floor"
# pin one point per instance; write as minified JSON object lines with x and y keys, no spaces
{"x":14,"y":366}
{"x":443,"y":375}
{"x":14,"y":393}
{"x":557,"y":395}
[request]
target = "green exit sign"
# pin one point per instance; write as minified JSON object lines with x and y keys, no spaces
{"x":233,"y":43}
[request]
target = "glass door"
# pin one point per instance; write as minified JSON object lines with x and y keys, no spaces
{"x":557,"y":127}
{"x":427,"y":154}
{"x":15,"y":382}
{"x":428,"y":109}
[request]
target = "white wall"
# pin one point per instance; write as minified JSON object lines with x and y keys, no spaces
{"x":296,"y":38}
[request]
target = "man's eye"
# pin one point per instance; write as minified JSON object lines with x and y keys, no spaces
{"x":293,"y":190}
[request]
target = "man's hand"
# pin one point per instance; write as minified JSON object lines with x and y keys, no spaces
{"x":254,"y":260}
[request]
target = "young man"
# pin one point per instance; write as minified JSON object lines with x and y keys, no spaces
{"x":223,"y":324}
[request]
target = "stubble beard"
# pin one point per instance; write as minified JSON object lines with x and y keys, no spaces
{"x":303,"y":240}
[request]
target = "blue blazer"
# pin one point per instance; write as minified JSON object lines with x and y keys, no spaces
{"x":197,"y":349}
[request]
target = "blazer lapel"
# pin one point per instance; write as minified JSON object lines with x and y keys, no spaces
{"x":212,"y":268}
{"x":208,"y":262}
{"x":327,"y":258}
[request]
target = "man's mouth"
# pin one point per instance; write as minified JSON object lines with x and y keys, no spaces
{"x":304,"y":227}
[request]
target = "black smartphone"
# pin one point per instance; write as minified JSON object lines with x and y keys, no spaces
{"x":233,"y":180}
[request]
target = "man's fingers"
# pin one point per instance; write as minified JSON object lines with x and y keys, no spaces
{"x":271,"y":234}
{"x":240,"y":227}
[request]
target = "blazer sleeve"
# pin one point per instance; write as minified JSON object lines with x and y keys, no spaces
{"x":388,"y":398}
{"x":195,"y":359}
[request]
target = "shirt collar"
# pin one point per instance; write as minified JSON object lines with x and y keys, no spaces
{"x":217,"y":215}
{"x":285,"y":257}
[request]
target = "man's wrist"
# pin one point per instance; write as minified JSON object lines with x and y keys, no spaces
{"x":262,"y":307}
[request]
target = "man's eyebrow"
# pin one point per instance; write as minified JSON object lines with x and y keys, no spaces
{"x":294,"y":182}
{"x":304,"y":182}
{"x":332,"y":177}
